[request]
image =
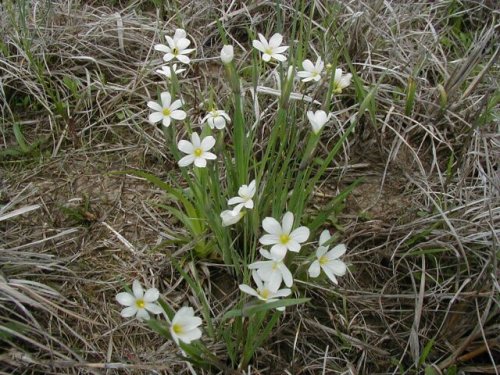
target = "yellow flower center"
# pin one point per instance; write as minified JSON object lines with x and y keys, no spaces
{"x":269,"y":51}
{"x":275,"y":266}
{"x":175,"y":51}
{"x":323,"y":260}
{"x":167,"y":112}
{"x":140,"y":303}
{"x":265,"y":293}
{"x":284,"y":238}
{"x":177,"y":328}
{"x":197,"y":152}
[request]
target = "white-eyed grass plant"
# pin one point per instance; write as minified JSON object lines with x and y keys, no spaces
{"x":235,"y":197}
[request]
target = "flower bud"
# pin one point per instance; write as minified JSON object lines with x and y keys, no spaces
{"x":227,"y":54}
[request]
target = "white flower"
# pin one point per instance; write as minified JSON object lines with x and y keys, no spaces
{"x":184,"y":326}
{"x":177,"y":47}
{"x":229,"y":217}
{"x":216,"y":118}
{"x":328,"y":260}
{"x":281,"y":236}
{"x":341,"y":81}
{"x":166,"y":111}
{"x":312,"y":71}
{"x":272,"y":49}
{"x":167,"y":71}
{"x":264,"y":292}
{"x":139,"y":303}
{"x":246,"y":193}
{"x":227,"y":54}
{"x":196,"y":150}
{"x":272,"y":271}
{"x":317,"y":119}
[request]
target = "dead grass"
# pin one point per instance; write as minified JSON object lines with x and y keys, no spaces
{"x":422,"y":231}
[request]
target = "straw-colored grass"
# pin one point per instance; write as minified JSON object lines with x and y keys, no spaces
{"x":422,"y":230}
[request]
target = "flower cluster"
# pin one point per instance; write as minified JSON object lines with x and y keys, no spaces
{"x":269,"y":274}
{"x":276,"y":266}
{"x":184,"y":325}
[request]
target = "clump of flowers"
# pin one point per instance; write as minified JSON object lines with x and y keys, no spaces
{"x":200,"y":203}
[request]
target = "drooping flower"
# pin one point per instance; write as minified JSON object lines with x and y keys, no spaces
{"x":273,"y":271}
{"x":311,"y":72}
{"x":264,"y":292}
{"x":177,"y":47}
{"x":227,"y":54}
{"x":196,"y":150}
{"x":317,"y":119}
{"x":272,"y":49}
{"x":216,"y":118}
{"x":229,"y":217}
{"x":166,"y":111}
{"x":281,"y":236}
{"x":244,"y":199}
{"x":139,"y":303}
{"x":341,"y":81}
{"x":184,"y":326}
{"x":167,"y":71}
{"x":328,"y":260}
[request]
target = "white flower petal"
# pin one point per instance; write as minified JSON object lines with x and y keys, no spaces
{"x":266,"y":57}
{"x":155,"y":117}
{"x":324,"y":237}
{"x":155,"y":106}
{"x":272,"y":226}
{"x":186,"y":160}
{"x":195,"y":140}
{"x":287,"y":275}
{"x":166,"y":98}
{"x":269,"y":239}
{"x":125,"y":299}
{"x":308,"y":65}
{"x":246,"y":289}
{"x":166,"y":122}
{"x":162,"y":48}
{"x":209,"y":156}
{"x":127,"y":312}
{"x":336,"y":252}
{"x":314,"y":269}
{"x":183,"y":59}
{"x":178,"y":115}
{"x":200,"y":162}
{"x":275,"y":40}
{"x":207,"y":143}
{"x":337,"y":267}
{"x":142,"y":314}
{"x":287,"y":222}
{"x":293,"y":246}
{"x":235,"y":200}
{"x":137,"y":289}
{"x":279,"y":250}
{"x":280,"y":58}
{"x":300,"y":234}
{"x":151,"y":295}
{"x":153,"y":308}
{"x":190,"y":335}
{"x":176,"y":105}
{"x":185,"y":146}
{"x":328,"y":272}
